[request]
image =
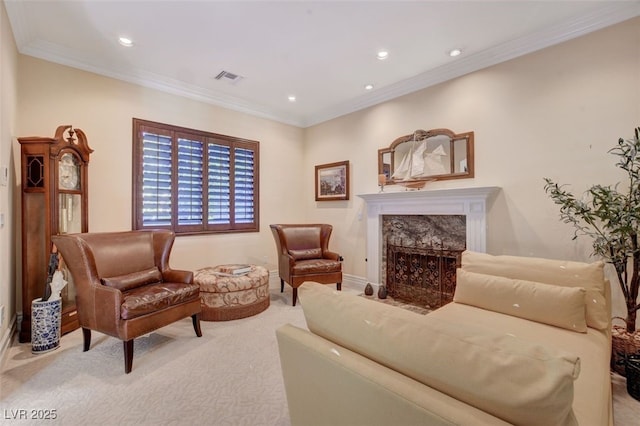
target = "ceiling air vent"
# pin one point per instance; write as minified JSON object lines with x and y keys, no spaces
{"x":229,"y":77}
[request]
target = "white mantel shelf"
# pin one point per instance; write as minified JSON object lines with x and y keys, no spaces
{"x":469,"y":192}
{"x":468,"y":201}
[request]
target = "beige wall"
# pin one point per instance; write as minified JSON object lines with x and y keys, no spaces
{"x":52,"y":94}
{"x":554,"y":113}
{"x":8,"y":96}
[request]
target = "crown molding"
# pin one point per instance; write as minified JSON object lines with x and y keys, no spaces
{"x":601,"y":18}
{"x":582,"y":25}
{"x":55,"y":53}
{"x":22,"y":31}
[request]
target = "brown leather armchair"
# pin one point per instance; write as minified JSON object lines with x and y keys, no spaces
{"x":303,"y":255}
{"x":124,"y":285}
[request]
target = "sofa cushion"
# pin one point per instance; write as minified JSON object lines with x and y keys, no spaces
{"x":545,"y":303}
{"x":135,"y":279}
{"x":513,"y":379}
{"x":316,"y":266}
{"x":154,"y":297}
{"x":311,"y":253}
{"x":590,"y":276}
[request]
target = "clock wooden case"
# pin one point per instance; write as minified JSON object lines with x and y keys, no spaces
{"x":54,"y":201}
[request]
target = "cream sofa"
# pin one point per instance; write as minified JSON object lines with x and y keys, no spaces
{"x":525,"y":341}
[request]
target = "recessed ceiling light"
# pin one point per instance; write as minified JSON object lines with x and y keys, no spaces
{"x":291,"y":98}
{"x":382,"y":54}
{"x":126,"y":42}
{"x":454,"y":52}
{"x":368,"y":86}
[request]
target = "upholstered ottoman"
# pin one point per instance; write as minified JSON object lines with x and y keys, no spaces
{"x":224,"y":297}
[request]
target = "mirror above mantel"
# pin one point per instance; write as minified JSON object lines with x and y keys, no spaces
{"x":426,"y":155}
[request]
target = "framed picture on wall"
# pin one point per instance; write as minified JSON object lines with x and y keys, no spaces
{"x":332,"y":181}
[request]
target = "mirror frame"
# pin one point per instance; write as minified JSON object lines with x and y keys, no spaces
{"x":423,"y":134}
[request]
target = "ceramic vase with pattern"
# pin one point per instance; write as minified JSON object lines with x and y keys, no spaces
{"x":46,"y":318}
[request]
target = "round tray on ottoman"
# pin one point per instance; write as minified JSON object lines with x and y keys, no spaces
{"x":227,"y":297}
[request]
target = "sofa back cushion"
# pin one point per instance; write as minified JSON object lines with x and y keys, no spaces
{"x":518,"y":381}
{"x":589,"y":276}
{"x":134,"y":279}
{"x":545,"y":303}
{"x":306,"y":254}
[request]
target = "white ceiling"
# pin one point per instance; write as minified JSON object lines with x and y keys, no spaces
{"x":323,"y":52}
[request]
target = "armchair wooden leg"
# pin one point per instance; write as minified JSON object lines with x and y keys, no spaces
{"x":196,"y":324}
{"x":295,"y":295}
{"x":86,"y":338}
{"x":281,"y":285}
{"x":128,"y":355}
{"x":339,"y":286}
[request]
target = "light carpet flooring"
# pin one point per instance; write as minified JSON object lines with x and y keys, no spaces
{"x":230,"y":376}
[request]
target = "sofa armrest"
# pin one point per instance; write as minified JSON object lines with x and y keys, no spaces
{"x":328,"y":384}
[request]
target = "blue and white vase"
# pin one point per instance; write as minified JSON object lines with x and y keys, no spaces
{"x":46,"y":319}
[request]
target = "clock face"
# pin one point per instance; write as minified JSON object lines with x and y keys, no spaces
{"x":68,"y":172}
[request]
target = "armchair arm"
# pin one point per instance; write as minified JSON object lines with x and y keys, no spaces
{"x":177,"y":276}
{"x":332,"y":255}
{"x":106,"y":312}
{"x":105,"y":301}
{"x":285,"y":264}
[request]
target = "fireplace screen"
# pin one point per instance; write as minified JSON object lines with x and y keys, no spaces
{"x":422,"y":276}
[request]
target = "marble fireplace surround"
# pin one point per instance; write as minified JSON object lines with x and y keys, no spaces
{"x":471,"y":202}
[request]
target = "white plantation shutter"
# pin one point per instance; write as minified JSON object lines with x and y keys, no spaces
{"x":243,"y":185}
{"x":156,"y":180}
{"x":192,"y":181}
{"x":219,"y":178}
{"x":190,"y":173}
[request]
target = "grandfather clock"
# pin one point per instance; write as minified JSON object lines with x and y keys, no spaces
{"x":54,"y":201}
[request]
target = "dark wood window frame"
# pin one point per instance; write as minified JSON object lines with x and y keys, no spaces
{"x":195,"y":182}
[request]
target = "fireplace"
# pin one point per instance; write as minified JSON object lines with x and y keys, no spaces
{"x":470,"y":204}
{"x":420,"y":255}
{"x":422,"y":276}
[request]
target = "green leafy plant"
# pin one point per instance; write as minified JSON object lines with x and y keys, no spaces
{"x":610,"y":215}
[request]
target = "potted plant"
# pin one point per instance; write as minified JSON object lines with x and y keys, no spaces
{"x":610,"y":215}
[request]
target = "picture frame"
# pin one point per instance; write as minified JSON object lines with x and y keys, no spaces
{"x":332,"y":181}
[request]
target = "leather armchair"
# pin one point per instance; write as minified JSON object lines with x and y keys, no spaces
{"x":303,"y":255}
{"x":124,"y":285}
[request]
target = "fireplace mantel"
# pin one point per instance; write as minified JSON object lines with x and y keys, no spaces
{"x":470,"y":201}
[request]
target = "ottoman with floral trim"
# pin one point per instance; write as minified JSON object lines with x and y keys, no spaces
{"x":225,"y":297}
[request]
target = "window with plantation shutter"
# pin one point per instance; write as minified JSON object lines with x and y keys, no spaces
{"x":192,"y":181}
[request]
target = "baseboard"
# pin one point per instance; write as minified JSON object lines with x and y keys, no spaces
{"x":354,"y":281}
{"x":7,"y":337}
{"x":347,"y":279}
